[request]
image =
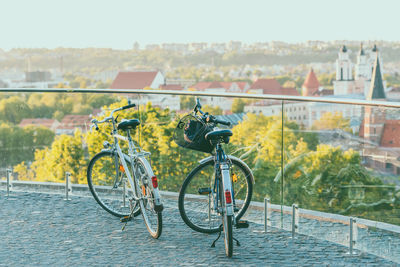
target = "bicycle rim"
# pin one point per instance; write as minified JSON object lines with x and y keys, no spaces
{"x":197,"y":210}
{"x":109,"y":186}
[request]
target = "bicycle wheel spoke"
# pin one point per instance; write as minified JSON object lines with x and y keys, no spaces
{"x":196,"y":204}
{"x":109,"y":185}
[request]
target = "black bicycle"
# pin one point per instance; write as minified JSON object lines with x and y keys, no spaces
{"x":220,"y":187}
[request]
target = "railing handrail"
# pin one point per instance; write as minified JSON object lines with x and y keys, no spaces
{"x":330,"y":100}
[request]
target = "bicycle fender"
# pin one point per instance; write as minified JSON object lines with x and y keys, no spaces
{"x":211,"y":158}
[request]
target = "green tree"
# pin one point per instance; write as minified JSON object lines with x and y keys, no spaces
{"x":331,"y":121}
{"x":187,"y":102}
{"x":212,"y":110}
{"x":14,"y":109}
{"x":66,"y":154}
{"x":238,"y":105}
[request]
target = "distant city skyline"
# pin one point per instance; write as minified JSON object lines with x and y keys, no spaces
{"x":119,"y":24}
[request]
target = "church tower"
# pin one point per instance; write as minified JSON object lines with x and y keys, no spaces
{"x":311,"y":85}
{"x":374,"y":119}
{"x":344,"y":76}
{"x":362,"y":68}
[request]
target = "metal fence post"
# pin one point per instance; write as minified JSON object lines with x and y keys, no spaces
{"x":9,"y":181}
{"x":267,"y":214}
{"x":68,"y":185}
{"x":124,"y":193}
{"x":295,"y":219}
{"x":353,"y":235}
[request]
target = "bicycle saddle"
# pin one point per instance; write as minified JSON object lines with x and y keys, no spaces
{"x":218,"y":134}
{"x":128,"y":124}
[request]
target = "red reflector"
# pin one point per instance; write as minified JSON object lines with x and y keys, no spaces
{"x":154,"y":180}
{"x":228,"y":197}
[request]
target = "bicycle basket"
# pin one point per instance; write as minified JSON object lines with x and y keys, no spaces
{"x":190,"y":133}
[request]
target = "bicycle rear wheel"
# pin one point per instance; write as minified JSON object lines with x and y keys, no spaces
{"x":145,"y":191}
{"x":109,"y":185}
{"x":197,"y":195}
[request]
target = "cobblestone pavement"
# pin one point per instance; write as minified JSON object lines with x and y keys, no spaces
{"x":43,"y":229}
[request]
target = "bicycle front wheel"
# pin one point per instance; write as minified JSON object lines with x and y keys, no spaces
{"x":109,"y":185}
{"x":151,"y":217}
{"x":197,"y":195}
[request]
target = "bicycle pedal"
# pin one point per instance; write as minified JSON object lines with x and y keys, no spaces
{"x":126,"y":219}
{"x":204,"y":191}
{"x":242,"y":224}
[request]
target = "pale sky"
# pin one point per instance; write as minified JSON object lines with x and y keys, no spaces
{"x":119,"y":23}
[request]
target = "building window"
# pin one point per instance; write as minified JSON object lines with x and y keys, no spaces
{"x":304,"y":117}
{"x":341,"y":74}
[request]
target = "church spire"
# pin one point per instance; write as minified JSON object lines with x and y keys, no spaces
{"x":361,"y":50}
{"x":376,"y":90}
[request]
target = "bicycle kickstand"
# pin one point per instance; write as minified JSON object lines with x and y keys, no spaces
{"x":219,"y":235}
{"x":126,"y":219}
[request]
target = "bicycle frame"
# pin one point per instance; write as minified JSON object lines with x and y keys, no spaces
{"x":134,"y":154}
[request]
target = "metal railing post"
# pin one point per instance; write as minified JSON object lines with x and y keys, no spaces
{"x":68,"y":185}
{"x":9,"y":181}
{"x":267,"y":214}
{"x":124,"y":193}
{"x":209,"y":207}
{"x":295,"y":219}
{"x":353,"y":235}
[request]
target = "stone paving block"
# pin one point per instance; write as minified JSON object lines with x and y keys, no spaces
{"x":43,"y":230}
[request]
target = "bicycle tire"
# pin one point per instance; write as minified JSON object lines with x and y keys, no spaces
{"x":101,"y":175}
{"x":192,"y":207}
{"x":145,"y":191}
{"x":226,"y":224}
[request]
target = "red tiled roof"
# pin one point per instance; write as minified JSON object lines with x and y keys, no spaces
{"x":288,"y":91}
{"x":171,"y":87}
{"x":272,"y":87}
{"x":201,"y":85}
{"x":226,"y":85}
{"x":38,"y":121}
{"x":311,"y":84}
{"x":133,"y":80}
{"x":390,"y":136}
{"x":75,"y":120}
{"x":266,"y":85}
{"x":216,"y":85}
{"x":241,"y":85}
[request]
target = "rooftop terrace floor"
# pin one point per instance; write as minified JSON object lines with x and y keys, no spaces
{"x":43,"y":229}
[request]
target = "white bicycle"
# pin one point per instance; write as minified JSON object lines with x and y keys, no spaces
{"x":125,"y":185}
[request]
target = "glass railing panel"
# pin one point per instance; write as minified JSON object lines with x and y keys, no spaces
{"x":343,"y":163}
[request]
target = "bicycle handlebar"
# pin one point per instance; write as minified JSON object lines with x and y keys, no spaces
{"x":207,"y":117}
{"x":95,"y":122}
{"x":227,"y":123}
{"x":129,"y":106}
